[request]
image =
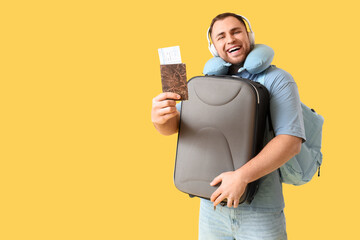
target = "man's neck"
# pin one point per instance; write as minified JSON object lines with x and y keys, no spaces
{"x":234,"y":68}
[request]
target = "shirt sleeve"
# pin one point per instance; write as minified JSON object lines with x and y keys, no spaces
{"x":285,"y":105}
{"x":178,"y":106}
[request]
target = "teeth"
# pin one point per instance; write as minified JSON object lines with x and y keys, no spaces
{"x":233,"y":49}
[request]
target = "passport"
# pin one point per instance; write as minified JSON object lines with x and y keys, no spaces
{"x":173,"y":79}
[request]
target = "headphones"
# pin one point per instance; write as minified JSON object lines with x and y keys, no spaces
{"x":250,"y":34}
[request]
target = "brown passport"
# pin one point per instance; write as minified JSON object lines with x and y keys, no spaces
{"x":173,"y":79}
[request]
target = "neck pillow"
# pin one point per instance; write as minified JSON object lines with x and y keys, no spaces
{"x":257,"y":61}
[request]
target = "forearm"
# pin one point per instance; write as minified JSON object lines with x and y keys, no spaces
{"x":276,"y":153}
{"x":170,"y":127}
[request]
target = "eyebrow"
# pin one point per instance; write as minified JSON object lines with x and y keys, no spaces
{"x":231,"y":30}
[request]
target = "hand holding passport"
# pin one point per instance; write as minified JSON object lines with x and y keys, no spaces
{"x":173,"y":72}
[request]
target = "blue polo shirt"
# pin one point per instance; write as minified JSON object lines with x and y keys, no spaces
{"x":286,"y":116}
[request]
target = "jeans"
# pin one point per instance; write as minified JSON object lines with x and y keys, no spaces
{"x":239,"y":223}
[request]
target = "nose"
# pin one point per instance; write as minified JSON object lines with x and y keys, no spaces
{"x":230,"y":39}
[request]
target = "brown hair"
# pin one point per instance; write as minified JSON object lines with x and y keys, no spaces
{"x":223,"y":16}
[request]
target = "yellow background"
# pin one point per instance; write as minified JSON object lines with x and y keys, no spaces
{"x":79,"y":158}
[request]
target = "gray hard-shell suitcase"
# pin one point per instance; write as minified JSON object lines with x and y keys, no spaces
{"x":221,"y":128}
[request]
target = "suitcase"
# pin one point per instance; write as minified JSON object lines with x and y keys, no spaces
{"x":221,"y":128}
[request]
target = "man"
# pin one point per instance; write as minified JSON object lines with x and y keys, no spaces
{"x":263,"y":218}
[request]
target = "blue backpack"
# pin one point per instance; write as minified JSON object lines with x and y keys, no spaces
{"x":301,"y":168}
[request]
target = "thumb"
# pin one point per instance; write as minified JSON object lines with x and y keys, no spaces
{"x":216,"y":180}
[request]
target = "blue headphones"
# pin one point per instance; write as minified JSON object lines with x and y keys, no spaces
{"x":250,"y":34}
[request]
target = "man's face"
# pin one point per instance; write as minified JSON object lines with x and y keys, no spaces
{"x":231,"y":40}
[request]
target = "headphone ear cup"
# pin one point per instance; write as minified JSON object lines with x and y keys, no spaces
{"x":252,"y":39}
{"x":213,"y":50}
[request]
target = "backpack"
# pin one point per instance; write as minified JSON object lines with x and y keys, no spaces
{"x":301,"y":168}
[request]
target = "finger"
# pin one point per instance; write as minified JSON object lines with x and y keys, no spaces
{"x":159,"y":108}
{"x":229,"y":203}
{"x":216,"y":180}
{"x":167,"y":110}
{"x":215,"y":195}
{"x":219,"y":199}
{"x":165,"y":103}
{"x":168,"y":116}
{"x":236,"y":203}
{"x":167,"y":95}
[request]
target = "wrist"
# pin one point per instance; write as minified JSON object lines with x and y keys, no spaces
{"x":244,"y":178}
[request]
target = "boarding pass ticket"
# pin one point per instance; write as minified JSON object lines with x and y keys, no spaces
{"x":169,"y":55}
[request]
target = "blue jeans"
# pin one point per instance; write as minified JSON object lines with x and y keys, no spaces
{"x":239,"y":223}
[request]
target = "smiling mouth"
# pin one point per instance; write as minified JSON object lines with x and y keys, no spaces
{"x":234,"y":49}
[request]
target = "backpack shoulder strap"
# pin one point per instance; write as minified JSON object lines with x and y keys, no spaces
{"x":261,"y":79}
